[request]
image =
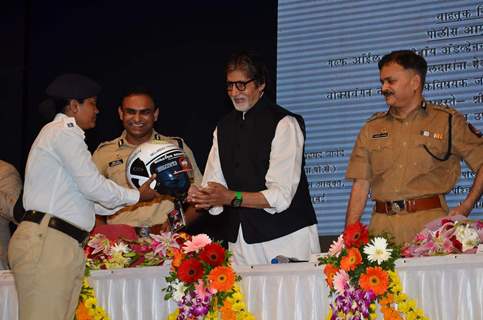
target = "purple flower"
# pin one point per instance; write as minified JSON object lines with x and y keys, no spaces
{"x":355,"y":301}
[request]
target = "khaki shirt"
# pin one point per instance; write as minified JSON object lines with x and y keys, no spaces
{"x":10,"y":187}
{"x":111,"y":158}
{"x":390,"y":153}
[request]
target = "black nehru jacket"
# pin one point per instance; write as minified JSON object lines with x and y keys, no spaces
{"x":244,"y":148}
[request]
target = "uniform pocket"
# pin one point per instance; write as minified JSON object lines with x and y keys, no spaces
{"x":424,"y":144}
{"x":381,"y":155}
{"x":437,"y":147}
{"x":117,"y":173}
{"x":25,"y":247}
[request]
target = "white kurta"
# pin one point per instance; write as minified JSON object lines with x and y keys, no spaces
{"x":281,"y":181}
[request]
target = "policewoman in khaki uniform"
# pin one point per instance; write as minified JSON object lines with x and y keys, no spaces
{"x":409,"y":157}
{"x":138,"y":114}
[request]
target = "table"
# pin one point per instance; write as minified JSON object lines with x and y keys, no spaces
{"x":447,"y":288}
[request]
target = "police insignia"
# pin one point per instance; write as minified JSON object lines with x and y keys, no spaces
{"x":115,"y":163}
{"x":474,"y":130}
{"x":438,"y":136}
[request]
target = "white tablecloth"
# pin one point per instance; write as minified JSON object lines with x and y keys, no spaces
{"x":447,"y":288}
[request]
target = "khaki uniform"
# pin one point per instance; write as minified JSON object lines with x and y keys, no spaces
{"x":389,"y":152}
{"x":10,"y":187}
{"x":111,"y":158}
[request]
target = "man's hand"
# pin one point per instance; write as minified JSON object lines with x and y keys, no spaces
{"x":193,"y":192}
{"x":462,"y":209}
{"x":145,"y":191}
{"x":357,"y":201}
{"x":213,"y":195}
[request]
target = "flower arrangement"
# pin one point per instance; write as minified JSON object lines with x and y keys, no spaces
{"x":359,"y":271}
{"x":103,"y":253}
{"x":88,"y":309}
{"x":124,"y":252}
{"x":450,"y":235}
{"x":202,"y":282}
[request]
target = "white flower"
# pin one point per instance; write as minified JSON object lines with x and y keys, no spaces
{"x":120,"y":247}
{"x":178,"y":291}
{"x":377,"y":250}
{"x":468,"y":237}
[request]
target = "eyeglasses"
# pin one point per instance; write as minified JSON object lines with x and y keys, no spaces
{"x":240,"y":85}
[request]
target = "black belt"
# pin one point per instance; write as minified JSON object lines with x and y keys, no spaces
{"x":58,"y":224}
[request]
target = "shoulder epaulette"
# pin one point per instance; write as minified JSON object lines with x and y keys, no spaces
{"x":443,"y":107}
{"x":68,"y":122}
{"x":376,"y":115}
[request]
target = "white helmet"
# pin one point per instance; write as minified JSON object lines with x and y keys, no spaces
{"x":169,"y":162}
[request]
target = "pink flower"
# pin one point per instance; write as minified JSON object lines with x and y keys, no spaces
{"x":337,"y":246}
{"x":100,"y":243}
{"x":341,"y":279}
{"x":162,"y":242}
{"x":421,"y":236}
{"x":407,"y":251}
{"x":196,"y":243}
{"x":202,"y":291}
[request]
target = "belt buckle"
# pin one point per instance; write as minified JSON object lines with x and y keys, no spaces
{"x":392,"y":208}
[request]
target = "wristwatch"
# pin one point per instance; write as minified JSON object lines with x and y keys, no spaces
{"x":237,"y":200}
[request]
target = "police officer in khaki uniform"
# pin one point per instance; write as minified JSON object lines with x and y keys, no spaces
{"x":409,"y":157}
{"x":10,"y":187}
{"x":138,"y":114}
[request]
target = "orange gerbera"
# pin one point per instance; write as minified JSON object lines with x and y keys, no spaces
{"x":330,"y":270}
{"x":375,"y":279}
{"x":351,"y":260}
{"x":221,"y":278}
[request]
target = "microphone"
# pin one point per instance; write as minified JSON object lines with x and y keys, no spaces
{"x":283,"y":259}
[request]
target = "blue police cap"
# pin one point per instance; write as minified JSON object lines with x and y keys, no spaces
{"x":73,"y":86}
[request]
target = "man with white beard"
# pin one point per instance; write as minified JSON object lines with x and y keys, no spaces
{"x":254,"y":173}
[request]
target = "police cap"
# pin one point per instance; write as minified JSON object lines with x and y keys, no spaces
{"x":73,"y":86}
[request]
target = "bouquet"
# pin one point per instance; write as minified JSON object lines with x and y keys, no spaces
{"x":360,"y":271}
{"x":202,"y":282}
{"x":450,"y":235}
{"x":114,"y":252}
{"x":104,"y":253}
